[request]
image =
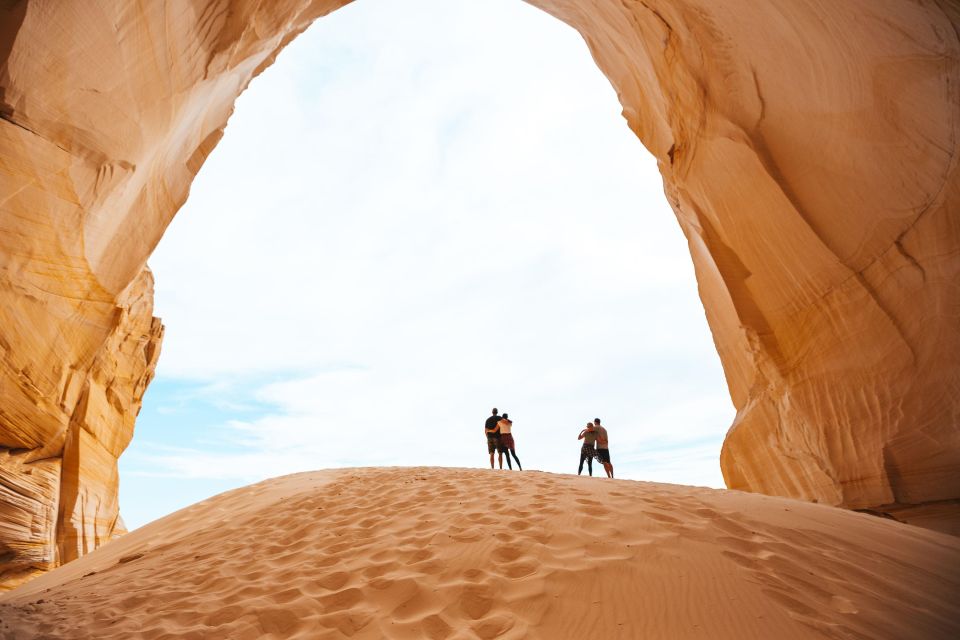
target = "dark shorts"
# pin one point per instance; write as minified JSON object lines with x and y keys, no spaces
{"x":493,"y":443}
{"x":506,"y":441}
{"x":603,"y":455}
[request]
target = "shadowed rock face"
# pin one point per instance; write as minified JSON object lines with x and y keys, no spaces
{"x":809,"y":150}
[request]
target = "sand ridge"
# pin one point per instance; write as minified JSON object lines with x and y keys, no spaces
{"x":464,"y":553}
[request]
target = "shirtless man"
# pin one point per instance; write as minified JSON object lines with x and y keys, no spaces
{"x":588,"y":450}
{"x":603,"y":448}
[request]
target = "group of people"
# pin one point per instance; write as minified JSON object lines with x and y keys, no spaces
{"x":596,"y":443}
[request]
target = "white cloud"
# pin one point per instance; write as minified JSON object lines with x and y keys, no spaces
{"x":418,"y":212}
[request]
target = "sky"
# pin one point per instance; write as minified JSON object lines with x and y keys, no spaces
{"x":419,"y":213}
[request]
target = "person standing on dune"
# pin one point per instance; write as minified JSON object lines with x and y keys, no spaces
{"x":506,"y":441}
{"x":603,"y":447}
{"x":493,"y":436}
{"x":588,"y":450}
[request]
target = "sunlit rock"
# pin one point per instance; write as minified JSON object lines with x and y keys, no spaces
{"x":809,"y":150}
{"x":58,"y":498}
{"x":810,"y":153}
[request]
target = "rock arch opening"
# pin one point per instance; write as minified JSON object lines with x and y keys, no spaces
{"x":808,"y":149}
{"x":404,"y":210}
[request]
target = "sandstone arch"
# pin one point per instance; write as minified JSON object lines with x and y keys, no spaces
{"x":809,"y":149}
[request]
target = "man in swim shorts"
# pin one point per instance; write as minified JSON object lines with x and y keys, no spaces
{"x":492,"y":430}
{"x":603,"y":447}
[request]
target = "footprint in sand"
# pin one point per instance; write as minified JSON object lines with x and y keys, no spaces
{"x":660,"y":517}
{"x":380,"y":569}
{"x":521,"y":569}
{"x":493,"y":626}
{"x":519,"y":525}
{"x":347,"y":623}
{"x":464,"y":535}
{"x":419,"y":555}
{"x":436,"y":628}
{"x":287,"y":595}
{"x":476,"y":600}
{"x":474,"y":575}
{"x":341,"y":600}
{"x":508,"y":553}
{"x":325,"y":561}
{"x":333,"y":581}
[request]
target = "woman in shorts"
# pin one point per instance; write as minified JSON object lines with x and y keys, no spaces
{"x":589,"y":450}
{"x":506,"y":441}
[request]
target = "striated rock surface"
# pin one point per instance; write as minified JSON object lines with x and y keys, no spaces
{"x":58,"y":456}
{"x":809,"y":149}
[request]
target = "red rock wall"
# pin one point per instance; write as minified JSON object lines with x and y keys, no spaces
{"x":808,"y":147}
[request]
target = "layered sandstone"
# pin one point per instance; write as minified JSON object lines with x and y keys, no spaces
{"x":64,"y":427}
{"x":809,"y":150}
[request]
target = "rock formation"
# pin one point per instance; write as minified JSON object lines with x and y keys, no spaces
{"x":809,"y":150}
{"x":64,"y":422}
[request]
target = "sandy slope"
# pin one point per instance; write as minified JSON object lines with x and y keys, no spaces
{"x":455,"y":553}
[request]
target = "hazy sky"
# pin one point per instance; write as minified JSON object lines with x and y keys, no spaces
{"x":418,"y":213}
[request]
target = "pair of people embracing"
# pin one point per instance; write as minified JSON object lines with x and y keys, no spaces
{"x":500,"y":438}
{"x":596,"y":444}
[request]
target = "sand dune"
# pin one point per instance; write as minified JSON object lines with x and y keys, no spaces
{"x":456,"y":553}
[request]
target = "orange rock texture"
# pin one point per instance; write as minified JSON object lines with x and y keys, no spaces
{"x":809,"y":150}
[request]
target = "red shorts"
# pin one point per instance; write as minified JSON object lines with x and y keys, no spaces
{"x":506,"y":441}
